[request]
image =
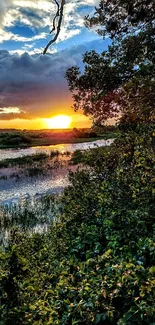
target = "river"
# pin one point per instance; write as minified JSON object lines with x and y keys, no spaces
{"x":13,"y":189}
{"x":71,"y":147}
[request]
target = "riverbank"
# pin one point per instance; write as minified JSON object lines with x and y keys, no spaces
{"x":41,"y":169}
{"x":13,"y":139}
{"x":45,"y":142}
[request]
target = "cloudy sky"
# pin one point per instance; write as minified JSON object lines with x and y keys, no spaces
{"x":32,"y":86}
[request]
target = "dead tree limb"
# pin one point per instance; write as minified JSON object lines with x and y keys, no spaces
{"x":59,"y":13}
{"x":56,"y":15}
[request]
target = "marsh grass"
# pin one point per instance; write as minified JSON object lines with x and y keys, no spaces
{"x":77,"y":157}
{"x":33,"y":166}
{"x":54,"y":154}
{"x":33,"y":215}
{"x":20,"y":161}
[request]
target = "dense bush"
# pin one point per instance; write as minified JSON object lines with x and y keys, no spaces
{"x":14,"y":139}
{"x":95,"y":265}
{"x":96,"y":262}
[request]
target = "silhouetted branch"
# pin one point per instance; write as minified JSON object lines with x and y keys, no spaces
{"x":59,"y":14}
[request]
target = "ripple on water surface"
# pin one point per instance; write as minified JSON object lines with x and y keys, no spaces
{"x":15,"y":153}
{"x":12,"y":191}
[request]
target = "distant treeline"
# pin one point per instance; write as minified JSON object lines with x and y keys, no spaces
{"x":14,"y":138}
{"x":27,"y":137}
{"x":73,"y":133}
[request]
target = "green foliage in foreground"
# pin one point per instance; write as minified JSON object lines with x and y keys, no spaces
{"x":96,"y":263}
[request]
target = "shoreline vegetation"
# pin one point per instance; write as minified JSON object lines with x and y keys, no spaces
{"x":33,"y":166}
{"x":11,"y":139}
{"x":78,"y":256}
{"x":87,"y":257}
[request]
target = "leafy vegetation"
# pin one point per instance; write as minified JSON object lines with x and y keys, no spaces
{"x":12,"y":139}
{"x":120,"y":81}
{"x":96,"y":262}
{"x":77,"y":157}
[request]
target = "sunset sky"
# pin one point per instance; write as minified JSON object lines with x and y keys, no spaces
{"x":32,"y":86}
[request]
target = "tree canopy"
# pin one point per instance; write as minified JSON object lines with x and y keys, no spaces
{"x":118,"y":80}
{"x":117,"y":17}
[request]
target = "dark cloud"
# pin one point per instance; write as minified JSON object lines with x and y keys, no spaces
{"x":36,"y":84}
{"x":13,"y":116}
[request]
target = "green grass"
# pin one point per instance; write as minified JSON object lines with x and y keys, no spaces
{"x":20,"y":161}
{"x":48,"y":139}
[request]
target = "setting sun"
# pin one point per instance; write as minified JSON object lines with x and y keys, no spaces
{"x":59,"y":122}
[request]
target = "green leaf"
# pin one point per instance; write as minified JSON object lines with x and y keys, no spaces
{"x":152,"y":269}
{"x":97,"y":318}
{"x":127,"y":316}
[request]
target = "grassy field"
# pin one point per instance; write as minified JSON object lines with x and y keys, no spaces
{"x":27,"y":138}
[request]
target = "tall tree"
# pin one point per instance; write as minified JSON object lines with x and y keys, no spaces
{"x":119,"y":81}
{"x":117,"y":17}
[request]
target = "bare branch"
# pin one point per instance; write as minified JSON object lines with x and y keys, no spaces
{"x":59,"y":14}
{"x":56,"y":15}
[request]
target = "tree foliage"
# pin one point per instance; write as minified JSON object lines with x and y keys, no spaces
{"x":111,"y":79}
{"x":95,"y":265}
{"x":117,"y":17}
{"x":96,"y":262}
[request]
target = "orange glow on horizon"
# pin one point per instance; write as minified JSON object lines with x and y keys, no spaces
{"x":59,"y":122}
{"x":77,"y":120}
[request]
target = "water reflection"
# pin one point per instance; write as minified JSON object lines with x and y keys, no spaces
{"x":15,"y":153}
{"x":15,"y":186}
{"x":12,"y":191}
{"x":31,"y":215}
